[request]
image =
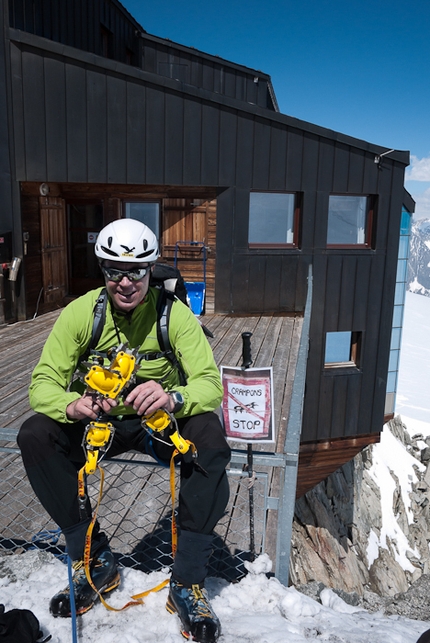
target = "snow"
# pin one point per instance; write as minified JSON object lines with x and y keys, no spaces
{"x":259,"y":608}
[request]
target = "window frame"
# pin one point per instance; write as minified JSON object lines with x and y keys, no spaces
{"x":355,"y":354}
{"x":370,"y":223}
{"x":296,"y":223}
{"x":158,"y":233}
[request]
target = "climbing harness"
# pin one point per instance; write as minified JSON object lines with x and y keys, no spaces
{"x":110,"y":382}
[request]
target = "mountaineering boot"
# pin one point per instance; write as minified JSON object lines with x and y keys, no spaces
{"x":193,"y":608}
{"x":104,"y":575}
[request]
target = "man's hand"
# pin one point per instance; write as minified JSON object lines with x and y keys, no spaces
{"x":89,"y":406}
{"x":148,"y":397}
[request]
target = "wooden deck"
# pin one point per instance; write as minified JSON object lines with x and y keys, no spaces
{"x":137,"y":498}
{"x":274,"y":342}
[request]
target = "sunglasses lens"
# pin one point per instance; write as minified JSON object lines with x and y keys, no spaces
{"x":117,"y":275}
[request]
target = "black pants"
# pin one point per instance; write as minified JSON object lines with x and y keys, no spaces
{"x":52,"y":454}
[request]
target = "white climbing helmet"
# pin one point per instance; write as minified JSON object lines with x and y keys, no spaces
{"x":127,"y":240}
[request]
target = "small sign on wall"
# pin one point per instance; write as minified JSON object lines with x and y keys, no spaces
{"x":247,"y":404}
{"x":92,"y":237}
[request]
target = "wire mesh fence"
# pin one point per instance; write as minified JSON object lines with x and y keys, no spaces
{"x":136,"y":514}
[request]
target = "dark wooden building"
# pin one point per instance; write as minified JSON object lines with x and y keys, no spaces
{"x":100,"y":120}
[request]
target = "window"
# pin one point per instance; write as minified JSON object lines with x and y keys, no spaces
{"x":342,"y":349}
{"x":350,"y":220}
{"x":148,"y":212}
{"x":273,"y":219}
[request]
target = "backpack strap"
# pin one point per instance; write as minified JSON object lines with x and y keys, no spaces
{"x":164,"y":307}
{"x":99,"y":312}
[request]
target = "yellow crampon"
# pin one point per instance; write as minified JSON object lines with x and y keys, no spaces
{"x":109,"y":382}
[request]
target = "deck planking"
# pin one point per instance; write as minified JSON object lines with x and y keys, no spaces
{"x":274,"y":343}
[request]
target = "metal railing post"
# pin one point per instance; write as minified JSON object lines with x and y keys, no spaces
{"x":288,"y":487}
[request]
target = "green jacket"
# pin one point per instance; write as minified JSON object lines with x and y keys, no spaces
{"x":52,"y":388}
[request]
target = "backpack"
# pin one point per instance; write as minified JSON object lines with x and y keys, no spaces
{"x":20,"y":626}
{"x":171,"y":284}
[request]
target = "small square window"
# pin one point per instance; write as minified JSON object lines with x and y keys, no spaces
{"x":350,"y":220}
{"x":273,"y":219}
{"x":342,"y":349}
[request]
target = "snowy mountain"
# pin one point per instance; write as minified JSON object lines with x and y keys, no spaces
{"x":419,"y":258}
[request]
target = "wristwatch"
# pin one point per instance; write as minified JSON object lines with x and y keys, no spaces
{"x":178,"y":401}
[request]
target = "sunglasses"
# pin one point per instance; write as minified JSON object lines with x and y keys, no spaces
{"x":135,"y":274}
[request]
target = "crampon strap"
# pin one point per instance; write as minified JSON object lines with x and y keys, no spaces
{"x":136,"y":599}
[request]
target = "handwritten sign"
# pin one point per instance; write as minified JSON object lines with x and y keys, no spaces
{"x":248,"y":404}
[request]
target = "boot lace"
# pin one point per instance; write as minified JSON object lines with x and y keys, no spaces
{"x":201,"y":606}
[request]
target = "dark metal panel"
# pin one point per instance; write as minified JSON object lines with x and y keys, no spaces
{"x":332,"y":298}
{"x":361,"y":291}
{"x":136,"y":142}
{"x":308,"y":209}
{"x":210,"y":138}
{"x":154,"y":136}
{"x":174,"y":125}
{"x":34,"y":116}
{"x":325,"y":165}
{"x":288,"y":282}
{"x":196,"y":72}
{"x":28,"y":16}
{"x":260,"y":174}
{"x":241,"y":221}
{"x":353,"y":400}
{"x":341,"y":168}
{"x":370,"y":175}
{"x":254,"y":285}
{"x":97,"y":127}
{"x":278,"y":157}
{"x":76,"y":106}
{"x":227,"y":147}
{"x":229,"y":83}
{"x":149,"y":57}
{"x":311,"y":145}
{"x":245,"y":151}
{"x":55,"y":118}
{"x":208,"y":76}
{"x":38,"y":17}
{"x":240,"y":86}
{"x":192,"y":142}
{"x":369,"y":349}
{"x":273,"y":278}
{"x":17,"y":112}
{"x":294,"y":160}
{"x":347,"y":292}
{"x":339,"y":410}
{"x":242,"y":274}
{"x":356,"y":171}
{"x":116,"y":130}
{"x":324,"y":416}
{"x":320,"y":216}
{"x":252,"y":90}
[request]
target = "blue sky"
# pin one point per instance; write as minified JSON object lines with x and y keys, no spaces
{"x":360,"y":67}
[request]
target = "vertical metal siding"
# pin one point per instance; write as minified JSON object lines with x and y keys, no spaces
{"x":116,"y":130}
{"x":96,"y":126}
{"x":34,"y":115}
{"x":192,"y":142}
{"x":174,"y":146}
{"x":75,"y":138}
{"x":136,"y":139}
{"x":55,"y":118}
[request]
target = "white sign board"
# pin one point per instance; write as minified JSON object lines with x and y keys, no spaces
{"x":248,"y":404}
{"x":92,"y":237}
